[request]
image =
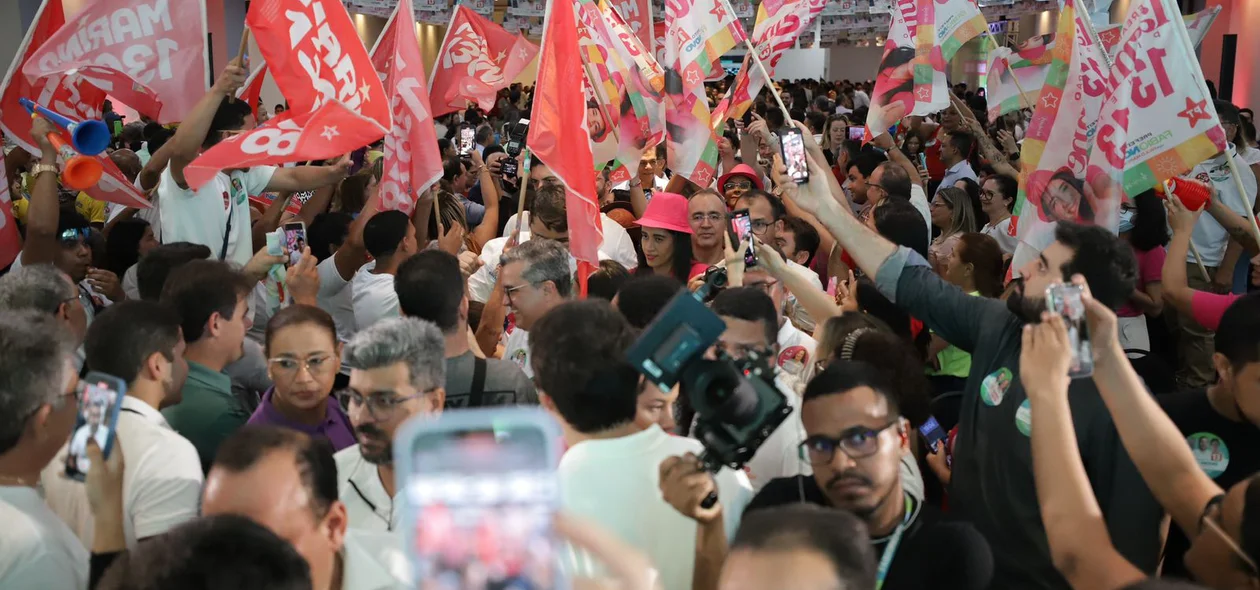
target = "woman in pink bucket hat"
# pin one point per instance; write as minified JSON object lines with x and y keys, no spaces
{"x":666,"y":239}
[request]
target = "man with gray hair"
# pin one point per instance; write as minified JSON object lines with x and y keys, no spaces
{"x":535,"y":277}
{"x":45,"y":289}
{"x":37,"y":413}
{"x":399,"y":372}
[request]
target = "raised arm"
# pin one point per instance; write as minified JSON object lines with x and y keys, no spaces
{"x":1176,"y":288}
{"x":352,"y":255}
{"x":489,"y":227}
{"x":308,"y":178}
{"x":191,"y":134}
{"x":816,"y":303}
{"x":1152,"y":440}
{"x":1080,"y":545}
{"x":44,"y":211}
{"x":1239,"y":227}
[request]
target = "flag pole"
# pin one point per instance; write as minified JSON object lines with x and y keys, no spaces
{"x":524,"y":182}
{"x":240,"y":56}
{"x":1251,"y":217}
{"x":752,"y":51}
{"x":1023,"y":96}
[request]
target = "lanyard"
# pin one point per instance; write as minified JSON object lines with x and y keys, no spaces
{"x":886,"y":561}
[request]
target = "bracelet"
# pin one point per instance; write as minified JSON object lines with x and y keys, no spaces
{"x":38,"y":169}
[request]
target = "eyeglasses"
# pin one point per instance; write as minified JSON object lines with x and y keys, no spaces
{"x":857,"y":443}
{"x":1210,"y":519}
{"x":765,"y":285}
{"x":380,"y":405}
{"x":284,"y":366}
{"x":737,"y":184}
{"x":988,"y":195}
{"x":759,"y":226}
{"x":511,"y":292}
{"x":712,"y":217}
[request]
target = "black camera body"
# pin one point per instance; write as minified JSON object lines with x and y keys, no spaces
{"x":736,"y":401}
{"x":513,"y":147}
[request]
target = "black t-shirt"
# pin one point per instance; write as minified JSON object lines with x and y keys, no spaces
{"x":1228,"y":451}
{"x":934,"y":552}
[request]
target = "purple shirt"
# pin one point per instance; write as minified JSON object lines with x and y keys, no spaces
{"x":335,"y":427}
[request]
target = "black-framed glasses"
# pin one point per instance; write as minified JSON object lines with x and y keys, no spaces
{"x":759,"y":226}
{"x":381,"y":404}
{"x":858,"y":443}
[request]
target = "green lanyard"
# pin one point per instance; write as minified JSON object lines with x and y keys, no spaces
{"x":886,"y":561}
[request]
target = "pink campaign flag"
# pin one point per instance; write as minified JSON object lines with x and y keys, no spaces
{"x":411,"y":163}
{"x":1158,"y":120}
{"x":477,"y":59}
{"x":150,"y":54}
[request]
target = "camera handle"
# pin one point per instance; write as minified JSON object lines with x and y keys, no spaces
{"x":709,"y":465}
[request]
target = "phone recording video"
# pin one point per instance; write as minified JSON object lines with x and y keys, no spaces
{"x":481,"y":493}
{"x":857,"y":132}
{"x":793,"y":148}
{"x":294,"y":241}
{"x":933,"y":434}
{"x":1068,"y":301}
{"x":97,"y":420}
{"x":741,"y":233}
{"x":466,"y":134}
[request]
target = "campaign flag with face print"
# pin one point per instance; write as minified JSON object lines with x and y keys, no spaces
{"x":1015,"y":78}
{"x":778,"y":26}
{"x":1054,"y":183}
{"x":698,"y":33}
{"x":477,"y":59}
{"x":336,"y":101}
{"x":150,"y":54}
{"x":68,"y":95}
{"x":411,"y":162}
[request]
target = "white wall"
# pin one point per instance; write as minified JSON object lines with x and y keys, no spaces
{"x":851,"y":63}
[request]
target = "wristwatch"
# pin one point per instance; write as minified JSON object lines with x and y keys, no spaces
{"x":38,"y":169}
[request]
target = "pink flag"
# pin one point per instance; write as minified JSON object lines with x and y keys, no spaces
{"x":778,"y":26}
{"x":558,"y":134}
{"x":336,"y":101}
{"x":150,"y":54}
{"x":477,"y":59}
{"x":412,"y":162}
{"x":10,"y":239}
{"x":1158,"y":120}
{"x":637,"y":15}
{"x":70,"y":97}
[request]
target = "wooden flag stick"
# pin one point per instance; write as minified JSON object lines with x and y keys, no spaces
{"x":752,"y":51}
{"x":240,"y":56}
{"x":524,"y":182}
{"x":1251,"y":217}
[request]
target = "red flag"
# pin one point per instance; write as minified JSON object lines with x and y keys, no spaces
{"x":10,"y":239}
{"x":150,"y":54}
{"x":336,"y":100}
{"x":478,"y":59}
{"x":638,"y":17}
{"x":64,"y":95}
{"x":251,"y":92}
{"x":412,"y":162}
{"x":559,"y":137}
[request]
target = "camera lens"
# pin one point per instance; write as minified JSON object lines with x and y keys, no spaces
{"x":720,"y":392}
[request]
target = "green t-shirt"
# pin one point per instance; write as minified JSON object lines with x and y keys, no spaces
{"x":208,"y":413}
{"x":954,"y":362}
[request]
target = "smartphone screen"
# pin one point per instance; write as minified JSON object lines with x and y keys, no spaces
{"x":99,"y":405}
{"x":793,"y":146}
{"x":741,"y":227}
{"x":933,"y":434}
{"x":857,"y":132}
{"x":483,"y":500}
{"x":466,"y":140}
{"x":1068,"y":301}
{"x":294,"y":241}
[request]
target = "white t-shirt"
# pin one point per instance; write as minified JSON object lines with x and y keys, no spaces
{"x":337,"y":298}
{"x":517,"y":350}
{"x":161,"y":479}
{"x":617,"y":244}
{"x":374,"y":561}
{"x":1210,"y":237}
{"x":794,"y":309}
{"x":861,"y":99}
{"x":373,"y":297}
{"x":615,"y":483}
{"x":37,"y":550}
{"x":918,"y":198}
{"x":368,"y":506}
{"x":796,"y":352}
{"x":1001,"y":233}
{"x":201,"y":216}
{"x":779,"y":456}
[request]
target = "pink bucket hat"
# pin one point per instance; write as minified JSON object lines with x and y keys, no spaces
{"x":666,"y":211}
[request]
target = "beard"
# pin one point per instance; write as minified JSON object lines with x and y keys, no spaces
{"x":382,"y":456}
{"x":1026,"y":308}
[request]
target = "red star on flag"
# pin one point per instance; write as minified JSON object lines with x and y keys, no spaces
{"x":1051,"y":101}
{"x":924,"y":93}
{"x":718,"y":11}
{"x":1195,"y":112}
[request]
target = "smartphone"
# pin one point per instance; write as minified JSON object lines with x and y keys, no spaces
{"x":1068,"y":301}
{"x":857,"y":132}
{"x":923,"y":160}
{"x":741,"y":226}
{"x":99,"y":406}
{"x":294,"y":240}
{"x":933,"y":434}
{"x":466,"y":134}
{"x":480,"y":490}
{"x":515,"y":145}
{"x":792,"y":147}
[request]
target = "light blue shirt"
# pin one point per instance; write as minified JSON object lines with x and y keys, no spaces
{"x":955,"y":173}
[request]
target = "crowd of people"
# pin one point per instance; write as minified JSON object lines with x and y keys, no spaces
{"x":254,"y":446}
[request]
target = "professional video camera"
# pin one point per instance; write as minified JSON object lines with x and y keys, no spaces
{"x":737,"y":404}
